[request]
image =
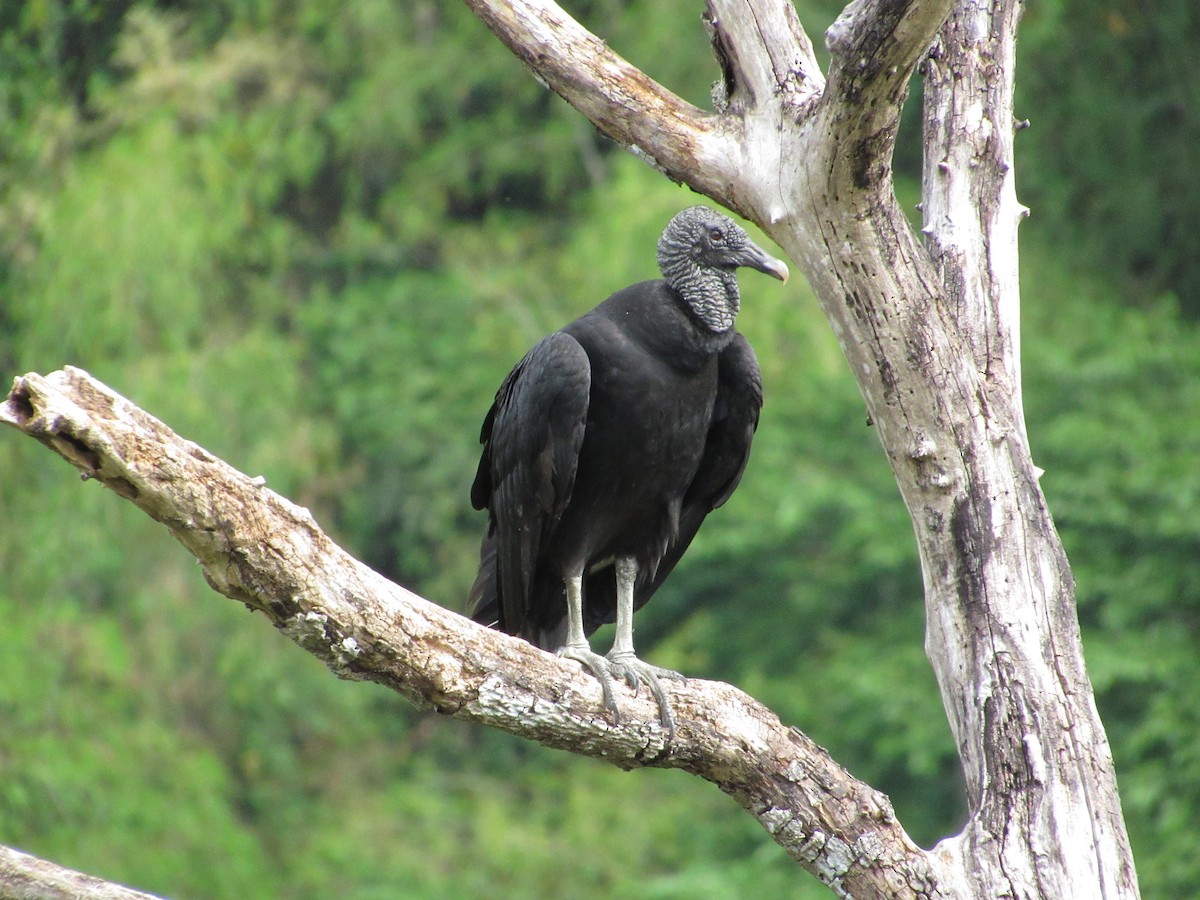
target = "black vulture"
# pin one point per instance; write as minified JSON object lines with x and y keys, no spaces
{"x":609,"y":443}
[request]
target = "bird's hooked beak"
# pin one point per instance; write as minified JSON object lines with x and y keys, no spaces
{"x":755,"y":257}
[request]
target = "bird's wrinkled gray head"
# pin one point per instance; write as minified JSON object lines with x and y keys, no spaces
{"x":698,"y":254}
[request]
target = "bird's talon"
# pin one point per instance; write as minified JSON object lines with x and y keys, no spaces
{"x":601,"y":670}
{"x":635,"y":672}
{"x":620,"y":668}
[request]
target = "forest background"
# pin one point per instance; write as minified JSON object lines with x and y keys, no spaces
{"x":314,"y":236}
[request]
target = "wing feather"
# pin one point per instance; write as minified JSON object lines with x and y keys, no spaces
{"x":531,"y":437}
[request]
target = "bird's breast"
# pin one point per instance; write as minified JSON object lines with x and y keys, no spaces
{"x":647,"y":425}
{"x":644,"y":437}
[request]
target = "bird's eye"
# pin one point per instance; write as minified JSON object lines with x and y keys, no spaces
{"x":716,"y":235}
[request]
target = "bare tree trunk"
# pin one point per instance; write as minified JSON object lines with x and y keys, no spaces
{"x":931,"y":334}
{"x":1003,"y":634}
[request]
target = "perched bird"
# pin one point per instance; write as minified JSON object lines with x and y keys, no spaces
{"x":609,"y":443}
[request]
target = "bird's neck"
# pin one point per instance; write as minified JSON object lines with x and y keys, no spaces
{"x":711,"y":295}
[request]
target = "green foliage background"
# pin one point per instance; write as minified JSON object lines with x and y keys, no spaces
{"x":314,"y":236}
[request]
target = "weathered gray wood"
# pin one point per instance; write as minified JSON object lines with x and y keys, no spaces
{"x":25,"y":877}
{"x":258,"y":548}
{"x":1003,"y":635}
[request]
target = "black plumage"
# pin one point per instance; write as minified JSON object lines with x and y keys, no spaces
{"x":609,"y":443}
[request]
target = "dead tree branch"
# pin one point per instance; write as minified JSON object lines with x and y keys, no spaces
{"x":269,"y":554}
{"x":25,"y":877}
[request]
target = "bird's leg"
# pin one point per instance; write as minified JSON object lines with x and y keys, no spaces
{"x":578,"y":649}
{"x":622,"y":660}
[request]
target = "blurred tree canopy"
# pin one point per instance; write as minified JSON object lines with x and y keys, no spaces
{"x":1113,"y":93}
{"x":314,"y":236}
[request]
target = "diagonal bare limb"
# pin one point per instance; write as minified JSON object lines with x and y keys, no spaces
{"x":25,"y":876}
{"x":261,"y":550}
{"x":676,"y":137}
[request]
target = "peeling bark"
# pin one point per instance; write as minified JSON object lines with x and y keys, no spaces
{"x":1036,"y":760}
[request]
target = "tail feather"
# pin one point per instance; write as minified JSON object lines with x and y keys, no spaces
{"x":486,"y":609}
{"x":484,"y":599}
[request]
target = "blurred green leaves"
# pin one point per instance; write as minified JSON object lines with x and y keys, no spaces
{"x":1113,"y":92}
